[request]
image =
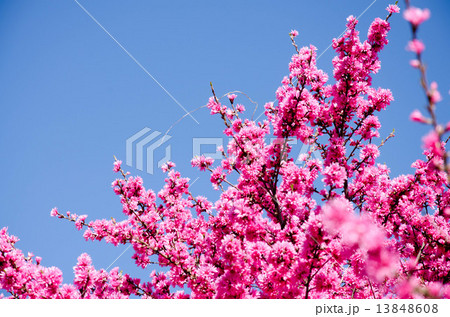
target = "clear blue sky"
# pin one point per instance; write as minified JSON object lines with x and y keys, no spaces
{"x":70,"y":96}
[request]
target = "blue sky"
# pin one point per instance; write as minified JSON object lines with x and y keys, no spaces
{"x":71,"y":97}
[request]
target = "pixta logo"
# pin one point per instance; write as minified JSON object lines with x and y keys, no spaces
{"x":150,"y":142}
{"x":199,"y":145}
{"x":141,"y":148}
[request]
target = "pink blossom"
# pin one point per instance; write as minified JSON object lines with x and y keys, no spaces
{"x":369,"y":153}
{"x":240,"y":108}
{"x":417,"y":116}
{"x":217,"y":177}
{"x":361,"y":233}
{"x":431,"y":142}
{"x":214,"y":106}
{"x":117,"y":165}
{"x":416,"y":16}
{"x":167,"y":166}
{"x":434,"y":93}
{"x":414,"y":63}
{"x":371,"y":122}
{"x":80,"y":221}
{"x":416,"y":46}
{"x":293,"y":33}
{"x":335,"y":175}
{"x":393,"y":8}
{"x":202,"y":162}
{"x":54,"y":212}
{"x":336,"y":213}
{"x":232,"y":97}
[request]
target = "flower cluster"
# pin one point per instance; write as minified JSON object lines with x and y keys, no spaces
{"x":24,"y":277}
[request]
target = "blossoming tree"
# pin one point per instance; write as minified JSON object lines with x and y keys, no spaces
{"x":339,"y":227}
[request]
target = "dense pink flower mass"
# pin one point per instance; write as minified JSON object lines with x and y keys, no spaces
{"x":338,"y":227}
